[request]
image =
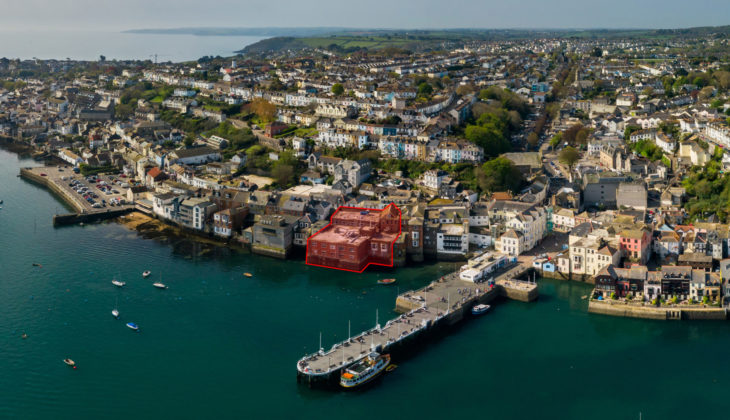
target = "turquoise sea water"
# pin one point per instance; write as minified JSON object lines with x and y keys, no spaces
{"x":219,"y":345}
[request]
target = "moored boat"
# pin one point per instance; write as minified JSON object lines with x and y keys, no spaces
{"x":132,"y":326}
{"x":69,"y":362}
{"x":479,"y":309}
{"x":365,"y":370}
{"x":159,"y":285}
{"x":115,"y":314}
{"x":248,"y":274}
{"x":118,"y":283}
{"x":146,"y":273}
{"x":386,"y":281}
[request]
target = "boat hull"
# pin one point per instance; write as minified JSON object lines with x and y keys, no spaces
{"x":352,"y":385}
{"x":478,"y":310}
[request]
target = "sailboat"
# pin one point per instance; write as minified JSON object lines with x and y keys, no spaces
{"x":115,"y":311}
{"x":118,"y":283}
{"x":160,"y":284}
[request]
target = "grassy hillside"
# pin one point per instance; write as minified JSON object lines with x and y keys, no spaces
{"x":352,"y":40}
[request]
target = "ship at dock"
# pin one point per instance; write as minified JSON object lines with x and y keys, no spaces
{"x":364,"y":371}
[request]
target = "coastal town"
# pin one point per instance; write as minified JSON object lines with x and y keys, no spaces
{"x":601,"y":161}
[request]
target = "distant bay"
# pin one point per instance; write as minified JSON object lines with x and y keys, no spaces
{"x":89,"y":45}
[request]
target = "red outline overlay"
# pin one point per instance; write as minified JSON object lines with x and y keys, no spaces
{"x":392,"y":244}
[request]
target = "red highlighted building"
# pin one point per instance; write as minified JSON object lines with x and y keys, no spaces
{"x":355,"y":238}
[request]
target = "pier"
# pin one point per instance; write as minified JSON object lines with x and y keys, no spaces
{"x":56,"y":180}
{"x":440,"y":304}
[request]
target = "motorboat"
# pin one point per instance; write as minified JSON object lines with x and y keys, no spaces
{"x":479,"y":309}
{"x":37,"y":265}
{"x":159,"y":285}
{"x":365,"y":370}
{"x":115,"y":314}
{"x":248,"y":274}
{"x":132,"y":326}
{"x":118,"y":283}
{"x":386,"y":281}
{"x":146,"y":273}
{"x":69,"y":362}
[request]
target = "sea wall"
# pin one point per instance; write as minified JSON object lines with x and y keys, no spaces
{"x":620,"y":308}
{"x":518,"y":293}
{"x":584,"y":278}
{"x":75,"y":218}
{"x":269,"y":251}
{"x":60,"y":193}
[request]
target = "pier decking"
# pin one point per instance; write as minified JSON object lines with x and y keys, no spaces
{"x":441,"y":303}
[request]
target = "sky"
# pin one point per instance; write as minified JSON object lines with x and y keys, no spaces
{"x":394,"y":14}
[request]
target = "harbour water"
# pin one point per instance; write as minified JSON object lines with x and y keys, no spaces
{"x":90,"y":44}
{"x":219,"y":345}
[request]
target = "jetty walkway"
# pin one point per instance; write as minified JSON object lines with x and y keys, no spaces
{"x":441,"y":303}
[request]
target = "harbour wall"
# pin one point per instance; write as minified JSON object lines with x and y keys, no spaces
{"x":71,"y":218}
{"x":26,"y":173}
{"x":659,"y":313}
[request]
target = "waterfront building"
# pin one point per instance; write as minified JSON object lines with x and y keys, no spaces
{"x":356,"y":238}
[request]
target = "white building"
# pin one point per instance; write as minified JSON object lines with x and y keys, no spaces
{"x":453,"y":239}
{"x":480,"y":267}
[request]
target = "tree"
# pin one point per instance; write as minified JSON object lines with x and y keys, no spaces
{"x":499,"y":174}
{"x":597,"y":52}
{"x":464,"y":89}
{"x":189,"y":140}
{"x":576,"y":134}
{"x":488,"y":138}
{"x":425,"y":89}
{"x":102,"y":58}
{"x":338,"y":89}
{"x":264,"y":109}
{"x":723,"y":79}
{"x":556,"y":140}
{"x":569,"y":156}
{"x":629,"y":130}
{"x":123,"y":111}
{"x":283,"y":174}
{"x":532,"y":139}
{"x":706,"y":92}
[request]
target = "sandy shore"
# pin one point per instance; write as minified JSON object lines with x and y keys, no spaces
{"x":150,"y":226}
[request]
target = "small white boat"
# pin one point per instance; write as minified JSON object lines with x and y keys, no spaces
{"x":115,"y":311}
{"x":159,"y":285}
{"x":479,"y":309}
{"x":146,"y":274}
{"x":69,"y":362}
{"x":132,"y":326}
{"x":118,"y":283}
